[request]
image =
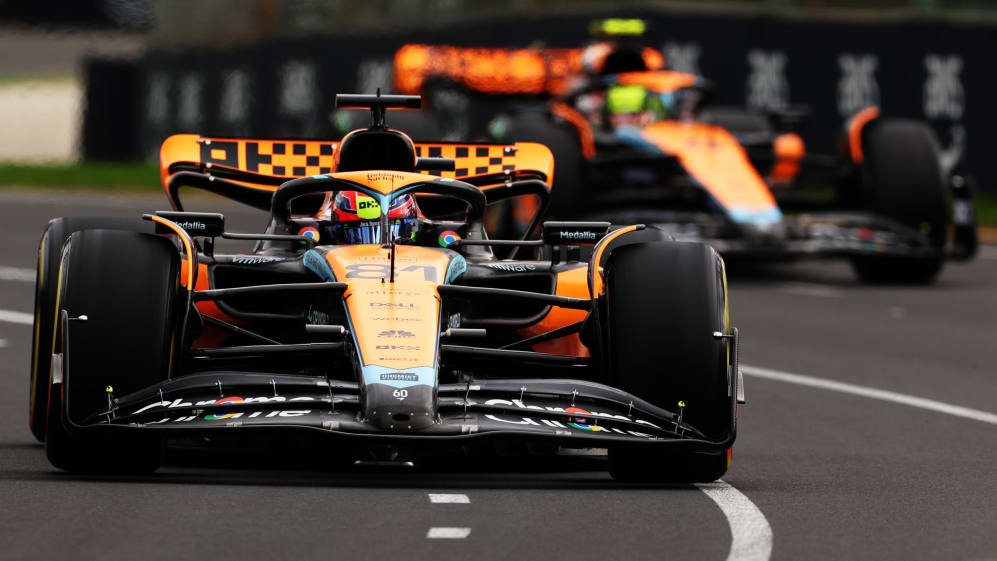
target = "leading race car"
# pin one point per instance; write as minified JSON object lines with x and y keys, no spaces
{"x":373,"y":317}
{"x":634,"y":142}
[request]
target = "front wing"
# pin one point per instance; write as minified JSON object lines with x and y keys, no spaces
{"x":570,"y":412}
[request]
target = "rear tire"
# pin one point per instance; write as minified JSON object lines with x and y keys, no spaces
{"x":569,"y":193}
{"x":664,"y":302}
{"x":46,"y":284}
{"x":903,"y":180}
{"x":128,"y":286}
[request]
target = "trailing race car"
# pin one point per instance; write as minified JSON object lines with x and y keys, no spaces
{"x":373,"y":318}
{"x":633,"y":143}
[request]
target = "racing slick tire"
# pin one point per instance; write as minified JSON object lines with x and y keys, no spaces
{"x":128,"y":286}
{"x":664,"y":302}
{"x":568,"y":193}
{"x":46,"y":284}
{"x":903,"y":180}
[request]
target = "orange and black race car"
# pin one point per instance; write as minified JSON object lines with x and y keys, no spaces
{"x":373,"y":317}
{"x":635,"y":142}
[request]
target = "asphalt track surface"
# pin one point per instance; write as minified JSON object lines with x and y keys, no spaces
{"x":831,"y":471}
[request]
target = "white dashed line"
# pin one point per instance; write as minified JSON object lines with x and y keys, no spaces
{"x":751,"y":535}
{"x":448,"y":533}
{"x":872,"y":393}
{"x":17,"y":274}
{"x":449,"y":498}
{"x":16,"y":317}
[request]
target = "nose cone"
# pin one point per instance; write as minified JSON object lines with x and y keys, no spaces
{"x":400,"y":410}
{"x":762,"y":225}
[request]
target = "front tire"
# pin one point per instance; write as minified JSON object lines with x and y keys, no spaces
{"x":664,"y":302}
{"x":127,"y":284}
{"x":903,"y":180}
{"x":46,"y":285}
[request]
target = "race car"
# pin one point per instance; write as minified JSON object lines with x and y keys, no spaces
{"x":636,"y":142}
{"x":373,"y":319}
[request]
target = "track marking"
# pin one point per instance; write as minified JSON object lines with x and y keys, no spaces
{"x":16,"y":317}
{"x":872,"y":393}
{"x":3,"y":343}
{"x":751,"y":535}
{"x":449,"y":498}
{"x":17,"y":274}
{"x":448,"y":533}
{"x":987,"y":252}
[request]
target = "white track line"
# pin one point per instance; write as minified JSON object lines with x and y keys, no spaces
{"x":449,"y":498}
{"x":17,"y":274}
{"x":751,"y":535}
{"x":16,"y":317}
{"x":872,"y":393}
{"x":3,"y":343}
{"x":448,"y":533}
{"x":987,"y":252}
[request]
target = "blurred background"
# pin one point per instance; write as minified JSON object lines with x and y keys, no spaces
{"x":89,"y":88}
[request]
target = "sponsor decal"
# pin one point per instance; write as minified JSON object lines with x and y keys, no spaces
{"x":250,"y":260}
{"x":557,"y":424}
{"x":396,"y":334}
{"x":393,"y":292}
{"x":368,"y":208}
{"x":394,"y":305}
{"x":576,"y":235}
{"x":400,"y":376}
{"x":177,"y":403}
{"x":512,"y":267}
{"x":392,"y":318}
{"x":192,"y":225}
{"x":309,"y":232}
{"x":398,"y":347}
{"x":253,"y":415}
{"x":448,"y":237}
{"x":583,"y":414}
{"x":396,"y":359}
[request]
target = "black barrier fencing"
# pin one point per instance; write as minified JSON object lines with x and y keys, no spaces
{"x":937,"y":71}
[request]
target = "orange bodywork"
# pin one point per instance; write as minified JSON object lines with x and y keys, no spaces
{"x":499,"y":71}
{"x":581,"y":124}
{"x":789,"y":151}
{"x":716,"y":159}
{"x":504,"y":71}
{"x":660,"y":81}
{"x":572,"y":283}
{"x":408,"y":306}
{"x":855,"y":131}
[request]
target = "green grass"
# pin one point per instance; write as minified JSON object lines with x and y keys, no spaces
{"x":986,"y":209}
{"x":93,"y":175}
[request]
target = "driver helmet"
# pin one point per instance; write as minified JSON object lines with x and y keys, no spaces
{"x":632,"y":105}
{"x":356,"y":218}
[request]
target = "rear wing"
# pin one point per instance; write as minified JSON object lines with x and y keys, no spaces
{"x":504,"y":71}
{"x":250,"y":170}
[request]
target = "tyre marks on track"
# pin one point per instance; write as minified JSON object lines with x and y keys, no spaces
{"x":872,"y":393}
